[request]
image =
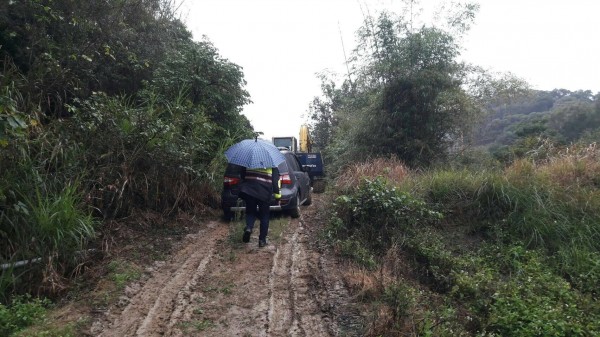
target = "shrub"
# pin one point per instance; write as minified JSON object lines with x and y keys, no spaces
{"x":20,"y":313}
{"x":390,"y":169}
{"x":537,"y":302}
{"x":376,"y":214}
{"x":42,"y":221}
{"x":140,"y":120}
{"x":516,"y":254}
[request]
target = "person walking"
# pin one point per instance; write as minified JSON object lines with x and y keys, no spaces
{"x":257,"y":188}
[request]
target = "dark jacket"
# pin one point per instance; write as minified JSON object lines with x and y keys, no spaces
{"x":259,"y":185}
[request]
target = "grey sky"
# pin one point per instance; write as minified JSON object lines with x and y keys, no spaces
{"x":282,"y":44}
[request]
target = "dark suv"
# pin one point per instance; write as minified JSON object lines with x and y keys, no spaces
{"x":295,"y":188}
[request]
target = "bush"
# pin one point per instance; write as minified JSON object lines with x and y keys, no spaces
{"x":104,"y":116}
{"x":376,"y":214}
{"x":21,"y":313}
{"x":43,"y":218}
{"x":537,"y":302}
{"x":516,"y":253}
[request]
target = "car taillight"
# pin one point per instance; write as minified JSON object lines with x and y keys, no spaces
{"x":230,"y":181}
{"x":285,"y":179}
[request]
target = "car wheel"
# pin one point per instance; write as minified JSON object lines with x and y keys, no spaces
{"x":308,"y":199}
{"x":227,"y":215}
{"x":295,"y":212}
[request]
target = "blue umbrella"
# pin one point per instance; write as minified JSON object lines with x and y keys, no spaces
{"x":254,"y":153}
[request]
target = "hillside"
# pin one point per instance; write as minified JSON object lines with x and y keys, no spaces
{"x":459,"y":202}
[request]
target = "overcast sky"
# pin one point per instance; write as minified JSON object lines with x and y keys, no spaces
{"x":282,"y":44}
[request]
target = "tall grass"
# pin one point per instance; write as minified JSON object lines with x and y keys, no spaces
{"x":551,"y":205}
{"x":50,"y":224}
{"x":516,"y":253}
{"x":391,"y":169}
{"x":57,"y":222}
{"x":43,"y":219}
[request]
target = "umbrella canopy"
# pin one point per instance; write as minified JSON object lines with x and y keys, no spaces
{"x":254,"y":153}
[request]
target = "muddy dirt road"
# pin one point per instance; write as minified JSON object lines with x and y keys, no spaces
{"x":217,"y":286}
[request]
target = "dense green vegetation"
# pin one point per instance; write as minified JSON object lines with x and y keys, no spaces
{"x":513,"y":128}
{"x":407,"y":86}
{"x":21,"y":312}
{"x":459,"y":252}
{"x":485,"y":220}
{"x":105,"y":107}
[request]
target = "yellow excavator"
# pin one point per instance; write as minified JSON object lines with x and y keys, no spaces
{"x":305,"y":142}
{"x":312,"y":162}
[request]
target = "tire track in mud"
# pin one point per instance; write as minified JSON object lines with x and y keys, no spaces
{"x":293,"y":308}
{"x":156,"y":307}
{"x":217,"y":286}
{"x":271,"y":291}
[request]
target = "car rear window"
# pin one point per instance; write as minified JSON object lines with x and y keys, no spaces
{"x":233,"y":170}
{"x":292,"y":162}
{"x":283,"y":168}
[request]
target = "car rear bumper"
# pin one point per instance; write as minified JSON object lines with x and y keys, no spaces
{"x":289,"y":204}
{"x":275,"y":208}
{"x":240,"y":205}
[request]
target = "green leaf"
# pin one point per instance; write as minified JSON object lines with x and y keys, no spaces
{"x":16,"y":122}
{"x":12,"y":122}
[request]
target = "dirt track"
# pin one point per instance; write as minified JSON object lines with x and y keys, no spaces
{"x":215,"y":286}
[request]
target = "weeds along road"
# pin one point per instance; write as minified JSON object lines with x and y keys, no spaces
{"x":217,"y":286}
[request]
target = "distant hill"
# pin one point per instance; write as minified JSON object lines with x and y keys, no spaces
{"x":560,"y":115}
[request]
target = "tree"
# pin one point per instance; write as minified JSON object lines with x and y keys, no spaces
{"x":574,"y":114}
{"x":105,"y":107}
{"x":207,"y":79}
{"x":322,"y":113}
{"x":407,"y":97}
{"x":68,"y":49}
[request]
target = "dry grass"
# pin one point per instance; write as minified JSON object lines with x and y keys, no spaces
{"x":577,"y":165}
{"x":370,"y":286}
{"x":392,"y":169}
{"x":381,"y":323}
{"x":574,"y":166}
{"x":364,"y":283}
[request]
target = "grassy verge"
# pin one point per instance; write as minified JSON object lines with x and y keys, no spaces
{"x":455,"y":252}
{"x":132,"y":247}
{"x":20,"y":313}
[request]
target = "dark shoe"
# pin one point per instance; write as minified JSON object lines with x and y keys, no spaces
{"x":262,"y":243}
{"x":246,"y":237}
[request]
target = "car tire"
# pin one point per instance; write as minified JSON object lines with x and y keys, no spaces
{"x":308,"y":199}
{"x":227,"y":215}
{"x":295,"y":212}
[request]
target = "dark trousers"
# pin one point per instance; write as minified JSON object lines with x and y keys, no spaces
{"x":262,"y":214}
